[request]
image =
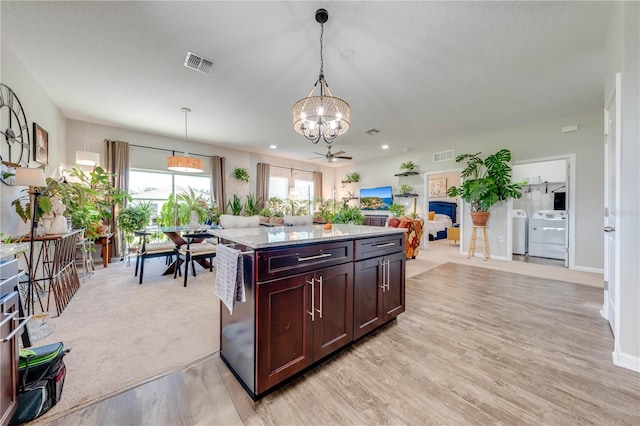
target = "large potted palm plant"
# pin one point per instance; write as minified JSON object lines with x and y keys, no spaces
{"x":485,"y":183}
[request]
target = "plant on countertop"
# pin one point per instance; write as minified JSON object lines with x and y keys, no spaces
{"x":486,"y":182}
{"x":406,"y":189}
{"x":351,"y":215}
{"x":396,"y":210}
{"x":352,"y":177}
{"x":408,"y":166}
{"x":241,"y":173}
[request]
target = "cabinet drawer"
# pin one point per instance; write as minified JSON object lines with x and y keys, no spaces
{"x":278,"y":263}
{"x":8,"y":268}
{"x":379,"y":246}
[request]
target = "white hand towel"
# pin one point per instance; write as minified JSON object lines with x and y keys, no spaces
{"x":229,"y":276}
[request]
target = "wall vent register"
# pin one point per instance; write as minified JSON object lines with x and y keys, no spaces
{"x":443,"y":156}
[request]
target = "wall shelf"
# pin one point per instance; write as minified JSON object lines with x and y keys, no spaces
{"x":406,"y":195}
{"x":543,"y":186}
{"x":407,"y":174}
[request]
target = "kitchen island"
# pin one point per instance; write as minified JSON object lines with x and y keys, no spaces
{"x":310,"y":292}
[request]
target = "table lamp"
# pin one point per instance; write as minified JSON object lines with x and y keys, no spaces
{"x":34,"y":179}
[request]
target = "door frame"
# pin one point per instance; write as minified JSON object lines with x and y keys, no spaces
{"x":425,"y":205}
{"x":571,"y":185}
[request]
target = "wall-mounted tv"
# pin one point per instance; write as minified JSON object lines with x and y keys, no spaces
{"x":379,"y":198}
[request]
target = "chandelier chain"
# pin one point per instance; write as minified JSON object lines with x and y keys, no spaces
{"x":321,"y":58}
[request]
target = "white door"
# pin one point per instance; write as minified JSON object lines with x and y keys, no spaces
{"x":611,"y":208}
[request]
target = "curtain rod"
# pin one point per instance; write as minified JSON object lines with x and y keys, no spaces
{"x":168,"y":150}
{"x":290,"y":168}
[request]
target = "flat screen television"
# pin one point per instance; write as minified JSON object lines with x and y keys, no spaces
{"x":379,"y":198}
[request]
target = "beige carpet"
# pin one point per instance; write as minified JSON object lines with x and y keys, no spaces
{"x":121,"y":333}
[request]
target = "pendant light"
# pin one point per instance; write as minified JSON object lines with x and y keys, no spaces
{"x":321,"y":117}
{"x":185,"y":163}
{"x":87,"y":158}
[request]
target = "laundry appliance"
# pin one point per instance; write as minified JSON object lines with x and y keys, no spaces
{"x":548,"y":234}
{"x":520,"y":231}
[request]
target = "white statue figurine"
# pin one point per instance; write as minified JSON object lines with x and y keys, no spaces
{"x":57,"y":224}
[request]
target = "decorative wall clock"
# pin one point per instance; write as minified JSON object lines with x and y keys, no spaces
{"x":15,"y":143}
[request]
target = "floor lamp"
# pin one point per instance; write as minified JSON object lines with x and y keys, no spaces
{"x":34,"y":179}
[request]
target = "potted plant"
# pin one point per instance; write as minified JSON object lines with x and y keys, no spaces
{"x":406,"y":189}
{"x":396,"y":210}
{"x":352,"y":177}
{"x":134,"y":218}
{"x":485,"y":183}
{"x":408,"y":166}
{"x":351,"y":215}
{"x":241,"y":174}
{"x":196,"y":207}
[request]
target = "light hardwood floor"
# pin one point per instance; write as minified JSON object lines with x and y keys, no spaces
{"x":475,"y":346}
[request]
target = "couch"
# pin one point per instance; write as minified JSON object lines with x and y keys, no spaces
{"x":412,"y":235}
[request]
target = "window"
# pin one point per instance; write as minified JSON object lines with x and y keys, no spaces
{"x":301,"y":192}
{"x":158,"y":187}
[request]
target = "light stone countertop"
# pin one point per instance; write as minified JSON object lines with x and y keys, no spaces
{"x":283,"y":236}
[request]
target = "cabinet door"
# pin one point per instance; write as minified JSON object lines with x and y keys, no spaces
{"x":284,"y":329}
{"x":333,"y":319}
{"x":393,"y":296}
{"x":367,"y":296}
{"x":8,"y":358}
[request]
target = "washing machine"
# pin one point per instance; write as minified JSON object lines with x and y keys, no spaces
{"x":520,"y":231}
{"x":548,"y":234}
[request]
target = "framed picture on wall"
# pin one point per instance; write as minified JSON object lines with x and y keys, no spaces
{"x":40,"y":145}
{"x":438,"y":187}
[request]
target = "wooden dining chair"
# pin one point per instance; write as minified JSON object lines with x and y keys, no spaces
{"x":193,"y":251}
{"x":149,"y":250}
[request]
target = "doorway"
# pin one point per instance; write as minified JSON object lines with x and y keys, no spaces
{"x":435,"y":186}
{"x":543,"y":219}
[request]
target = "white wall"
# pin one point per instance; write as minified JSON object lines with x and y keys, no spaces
{"x":531,"y":141}
{"x":156,"y":160}
{"x":623,"y":55}
{"x":39,"y":108}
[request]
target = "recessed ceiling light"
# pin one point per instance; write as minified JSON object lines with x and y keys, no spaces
{"x":272,"y":146}
{"x":385,"y":146}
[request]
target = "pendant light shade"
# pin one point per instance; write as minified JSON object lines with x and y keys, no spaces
{"x":86,"y":158}
{"x":325,"y":116}
{"x":185,"y":163}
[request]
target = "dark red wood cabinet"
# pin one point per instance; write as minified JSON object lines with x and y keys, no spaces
{"x":302,"y":319}
{"x":379,"y":292}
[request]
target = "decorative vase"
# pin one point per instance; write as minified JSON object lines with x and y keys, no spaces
{"x":479,"y":218}
{"x":194,"y":220}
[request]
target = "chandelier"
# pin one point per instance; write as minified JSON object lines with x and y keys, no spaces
{"x":184,"y":163}
{"x":323,"y":116}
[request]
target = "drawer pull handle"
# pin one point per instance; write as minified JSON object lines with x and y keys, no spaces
{"x":18,"y":328}
{"x":320,"y":256}
{"x":320,"y":310}
{"x":385,"y":245}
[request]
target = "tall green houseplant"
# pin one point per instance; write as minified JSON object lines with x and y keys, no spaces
{"x":485,"y":183}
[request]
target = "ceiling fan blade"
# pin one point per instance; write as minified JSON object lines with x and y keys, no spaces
{"x":314,"y":158}
{"x":339,"y":153}
{"x":343,"y":157}
{"x":318,"y":153}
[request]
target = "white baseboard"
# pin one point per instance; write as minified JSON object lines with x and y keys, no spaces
{"x":480,"y":256}
{"x":589,"y":269}
{"x":626,"y":361}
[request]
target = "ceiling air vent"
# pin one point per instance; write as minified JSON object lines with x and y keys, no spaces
{"x":198,"y":63}
{"x":443,"y":156}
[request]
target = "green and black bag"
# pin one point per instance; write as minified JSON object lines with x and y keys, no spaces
{"x":42,"y":373}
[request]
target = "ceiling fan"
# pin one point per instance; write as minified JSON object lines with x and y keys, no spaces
{"x":332,"y":156}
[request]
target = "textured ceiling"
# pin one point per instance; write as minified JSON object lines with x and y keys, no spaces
{"x":417,"y":71}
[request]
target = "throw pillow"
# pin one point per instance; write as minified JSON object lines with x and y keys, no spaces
{"x":394,"y":222}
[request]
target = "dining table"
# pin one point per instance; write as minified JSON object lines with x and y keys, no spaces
{"x":175,"y":234}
